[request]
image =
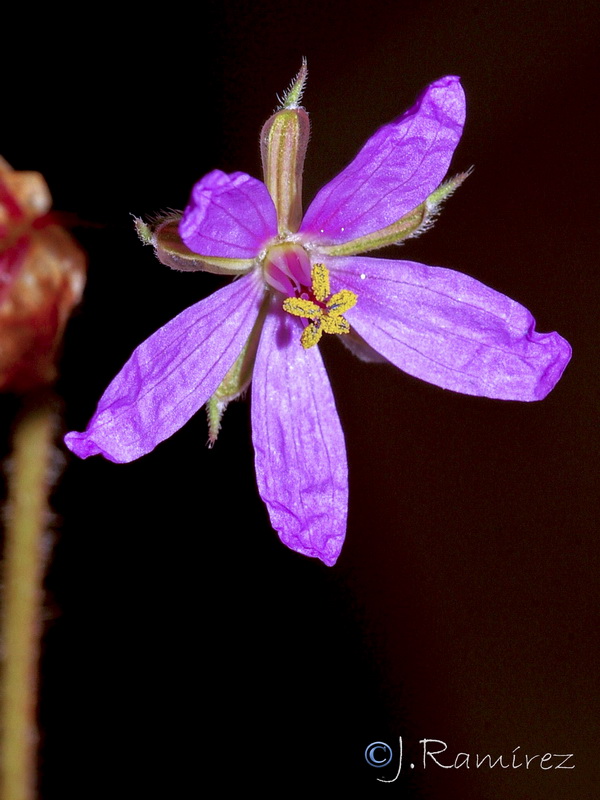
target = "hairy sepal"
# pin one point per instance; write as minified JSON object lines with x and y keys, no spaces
{"x":410,"y":225}
{"x":163,"y":235}
{"x":237,"y":380}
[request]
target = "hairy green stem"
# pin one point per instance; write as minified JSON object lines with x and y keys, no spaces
{"x":23,"y":568}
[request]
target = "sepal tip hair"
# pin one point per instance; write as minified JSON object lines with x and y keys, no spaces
{"x":293,"y":95}
{"x":143,"y":230}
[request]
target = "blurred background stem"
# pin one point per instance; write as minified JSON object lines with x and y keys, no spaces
{"x":26,"y":518}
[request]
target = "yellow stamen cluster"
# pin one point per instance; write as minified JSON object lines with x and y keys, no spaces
{"x":324,"y":318}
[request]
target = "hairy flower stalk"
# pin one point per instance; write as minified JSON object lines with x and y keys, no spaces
{"x":301,"y":276}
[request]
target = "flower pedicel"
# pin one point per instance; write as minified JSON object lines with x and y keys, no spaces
{"x":301,"y":277}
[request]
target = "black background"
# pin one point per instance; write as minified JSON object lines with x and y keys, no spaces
{"x":184,"y":643}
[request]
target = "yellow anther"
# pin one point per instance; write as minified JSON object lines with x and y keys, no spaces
{"x":311,"y":335}
{"x":320,"y":282}
{"x":300,"y":307}
{"x":341,"y":302}
{"x":335,"y":324}
{"x":323,"y":318}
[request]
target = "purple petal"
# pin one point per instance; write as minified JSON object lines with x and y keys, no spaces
{"x":449,"y":329}
{"x":171,"y":375}
{"x":396,"y":170}
{"x":228,"y":216}
{"x":301,"y":465}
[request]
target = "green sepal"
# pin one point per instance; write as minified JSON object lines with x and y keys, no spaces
{"x":237,"y":380}
{"x":283,"y":142}
{"x":410,"y":225}
{"x":163,"y":235}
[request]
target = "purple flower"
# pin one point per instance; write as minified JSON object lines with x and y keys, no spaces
{"x":301,"y":277}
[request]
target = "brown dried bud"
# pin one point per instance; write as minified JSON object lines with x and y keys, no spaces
{"x":42,"y":275}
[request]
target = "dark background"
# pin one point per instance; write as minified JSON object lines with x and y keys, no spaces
{"x":184,"y":643}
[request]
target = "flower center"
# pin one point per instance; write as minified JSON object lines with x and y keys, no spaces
{"x":287,"y":269}
{"x":323,"y":310}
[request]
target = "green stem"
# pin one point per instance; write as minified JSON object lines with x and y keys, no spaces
{"x":26,"y":520}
